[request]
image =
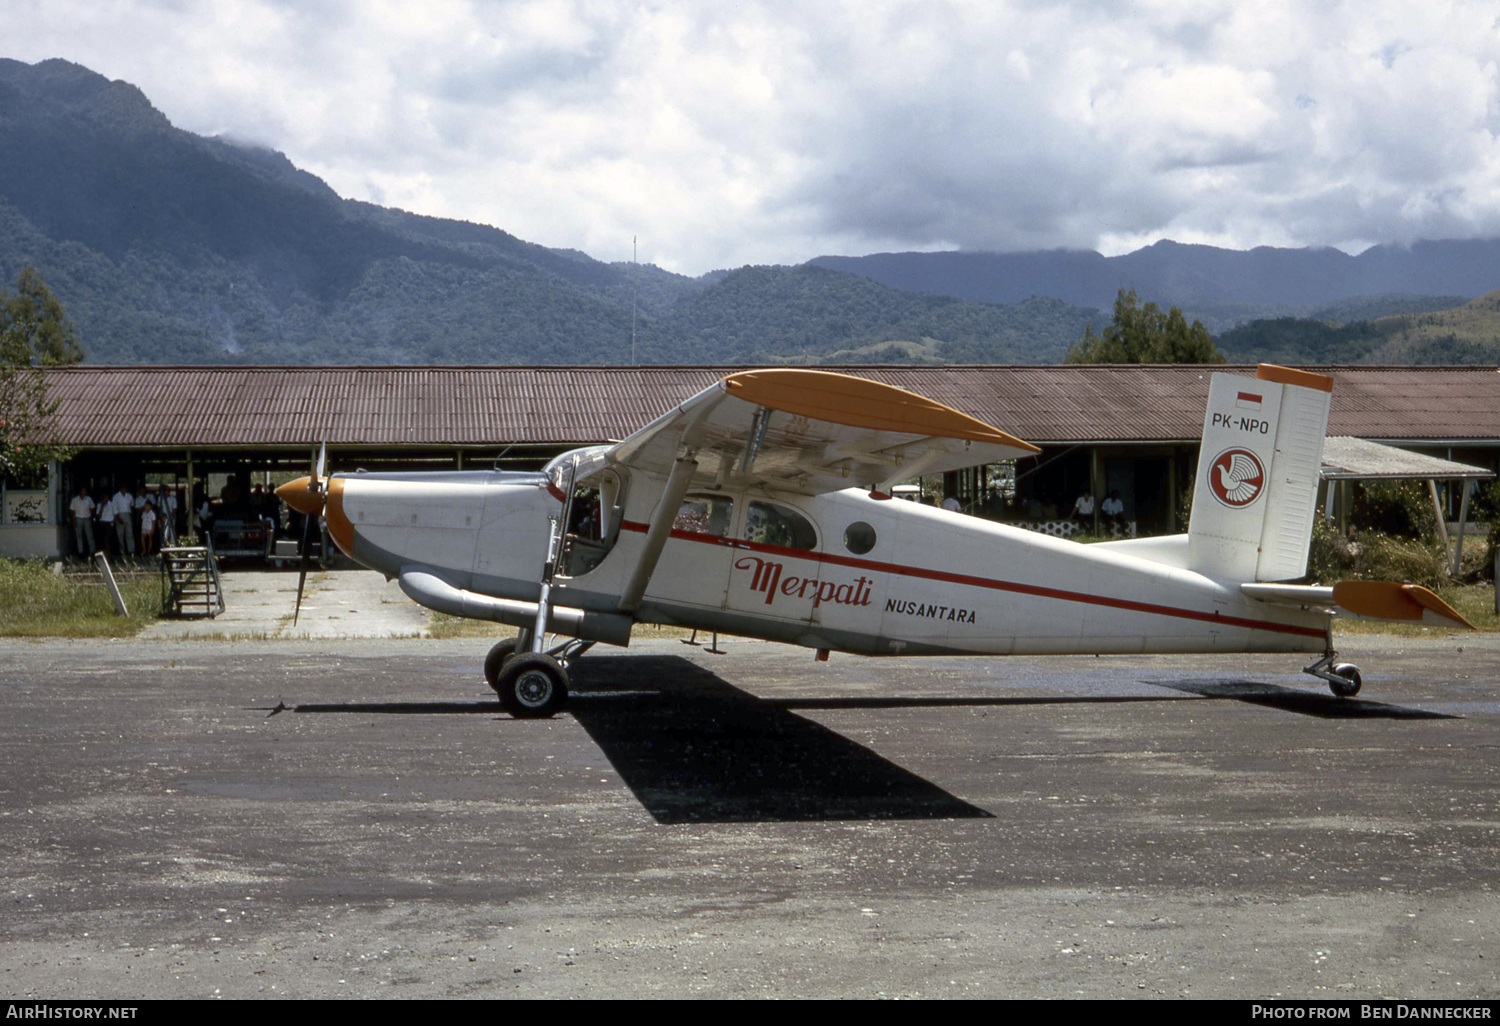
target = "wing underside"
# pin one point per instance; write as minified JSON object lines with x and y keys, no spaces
{"x":811,"y":432}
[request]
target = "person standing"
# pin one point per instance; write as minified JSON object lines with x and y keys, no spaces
{"x":148,"y":528}
{"x":107,"y":526}
{"x":124,"y":504}
{"x":82,"y":508}
{"x":168,"y":514}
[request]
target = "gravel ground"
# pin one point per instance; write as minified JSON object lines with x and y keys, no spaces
{"x":358,"y":818}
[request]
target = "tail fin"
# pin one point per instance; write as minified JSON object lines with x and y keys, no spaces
{"x":1257,"y":487}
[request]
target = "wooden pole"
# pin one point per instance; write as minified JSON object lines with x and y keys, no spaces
{"x":109,"y":582}
{"x":1096,"y":484}
{"x":1437,"y":507}
{"x":187,"y":501}
{"x":1463,"y":521}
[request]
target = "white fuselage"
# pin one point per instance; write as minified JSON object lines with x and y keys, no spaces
{"x":924,"y":580}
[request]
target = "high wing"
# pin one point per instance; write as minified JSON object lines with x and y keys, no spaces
{"x":810,"y":432}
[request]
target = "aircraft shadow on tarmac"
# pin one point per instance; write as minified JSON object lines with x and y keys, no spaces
{"x":1308,"y":703}
{"x":696,"y":749}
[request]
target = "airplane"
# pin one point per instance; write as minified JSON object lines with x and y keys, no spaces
{"x":762,"y":507}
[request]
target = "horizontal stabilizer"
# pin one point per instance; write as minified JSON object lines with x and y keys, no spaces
{"x":1364,"y":600}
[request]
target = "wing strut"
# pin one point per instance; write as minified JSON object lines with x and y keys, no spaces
{"x":656,"y":534}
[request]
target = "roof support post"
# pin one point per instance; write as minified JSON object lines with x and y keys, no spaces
{"x":1463,"y":519}
{"x":657,"y":533}
{"x":1437,"y":506}
{"x":1096,"y":483}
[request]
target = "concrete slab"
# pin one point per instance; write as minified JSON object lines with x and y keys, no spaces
{"x":334,"y":818}
{"x":335,"y":604}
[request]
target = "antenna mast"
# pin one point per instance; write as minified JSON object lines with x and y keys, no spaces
{"x":632,"y":300}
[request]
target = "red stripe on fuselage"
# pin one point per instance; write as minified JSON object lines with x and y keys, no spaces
{"x":985,"y":582}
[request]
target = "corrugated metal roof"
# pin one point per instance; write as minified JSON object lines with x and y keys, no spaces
{"x":1359,"y":459}
{"x":277,"y":407}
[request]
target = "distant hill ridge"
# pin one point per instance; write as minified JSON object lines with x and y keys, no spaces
{"x":1189,"y":276}
{"x":168,"y":247}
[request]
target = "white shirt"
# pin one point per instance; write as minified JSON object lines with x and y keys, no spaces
{"x":1113,"y":507}
{"x":120,"y":503}
{"x":1084,"y":506}
{"x":952,"y":505}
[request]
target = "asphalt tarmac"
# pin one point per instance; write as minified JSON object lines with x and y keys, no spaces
{"x":359,"y":819}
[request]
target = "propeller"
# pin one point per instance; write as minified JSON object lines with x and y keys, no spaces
{"x":307,"y":496}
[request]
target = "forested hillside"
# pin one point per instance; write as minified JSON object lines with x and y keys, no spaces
{"x":168,"y":247}
{"x":1469,"y":333}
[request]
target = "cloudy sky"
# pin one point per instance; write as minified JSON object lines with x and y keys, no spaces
{"x":771,"y":132}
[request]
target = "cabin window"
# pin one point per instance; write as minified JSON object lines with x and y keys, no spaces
{"x":772,"y":524}
{"x":859,"y":537}
{"x":705,"y":514}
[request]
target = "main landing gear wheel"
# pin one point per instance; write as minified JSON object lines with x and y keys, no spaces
{"x":532,"y":684}
{"x":502,"y":653}
{"x":1349,"y":686}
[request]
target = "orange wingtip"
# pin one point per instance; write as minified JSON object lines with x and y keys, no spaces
{"x":1387,"y":600}
{"x":1293,"y":376}
{"x":862,"y":403}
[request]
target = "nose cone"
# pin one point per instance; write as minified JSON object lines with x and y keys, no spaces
{"x":303,"y":495}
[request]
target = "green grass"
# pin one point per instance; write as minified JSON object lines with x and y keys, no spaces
{"x":37,"y":603}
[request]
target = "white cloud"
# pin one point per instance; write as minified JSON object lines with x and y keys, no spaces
{"x":776,"y":131}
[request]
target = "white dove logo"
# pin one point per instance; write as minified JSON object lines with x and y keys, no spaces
{"x":1236,"y":477}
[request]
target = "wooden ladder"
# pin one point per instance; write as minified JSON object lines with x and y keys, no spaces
{"x":190,"y":585}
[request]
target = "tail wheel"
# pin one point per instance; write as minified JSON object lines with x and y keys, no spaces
{"x":1351,"y":683}
{"x":532,"y":684}
{"x":502,"y":653}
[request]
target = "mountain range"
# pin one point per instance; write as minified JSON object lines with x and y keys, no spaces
{"x":170,"y":247}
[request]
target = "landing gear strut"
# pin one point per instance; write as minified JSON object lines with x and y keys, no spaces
{"x":1343,"y":679}
{"x":531,"y":683}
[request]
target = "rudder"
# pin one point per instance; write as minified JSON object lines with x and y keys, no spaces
{"x":1257,"y":485}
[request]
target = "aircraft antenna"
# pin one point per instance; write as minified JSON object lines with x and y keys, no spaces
{"x":633,"y":286}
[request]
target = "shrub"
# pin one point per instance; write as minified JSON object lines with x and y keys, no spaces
{"x":1402,"y":508}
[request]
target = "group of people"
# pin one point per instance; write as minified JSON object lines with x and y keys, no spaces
{"x":995,"y":507}
{"x":1111,"y":510}
{"x":130,"y":522}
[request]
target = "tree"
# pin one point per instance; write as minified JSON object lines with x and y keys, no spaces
{"x":35,"y":333}
{"x":1143,"y":334}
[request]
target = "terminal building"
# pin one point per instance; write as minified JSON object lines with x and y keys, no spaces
{"x":229,"y":433}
